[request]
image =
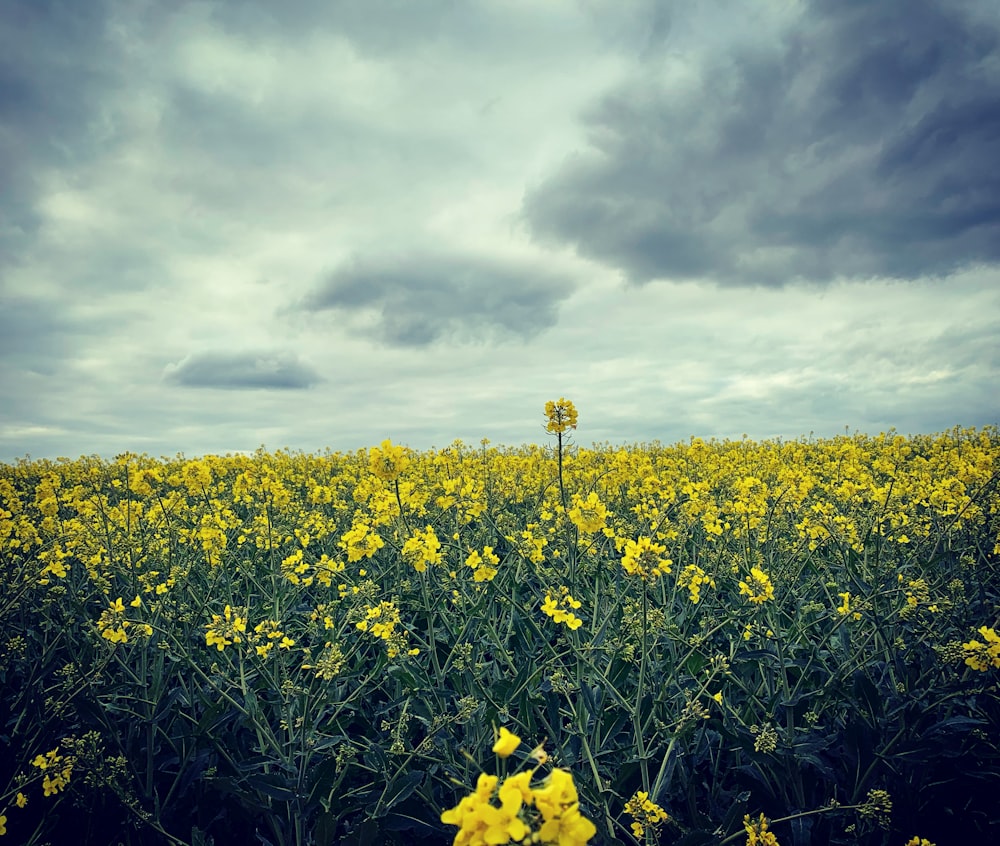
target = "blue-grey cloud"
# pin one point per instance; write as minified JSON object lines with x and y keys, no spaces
{"x":420,"y":298}
{"x":861,"y":145}
{"x":242,"y":371}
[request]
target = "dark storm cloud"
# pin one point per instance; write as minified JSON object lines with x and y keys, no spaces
{"x":242,"y":371}
{"x":418,"y":299}
{"x":863,"y":144}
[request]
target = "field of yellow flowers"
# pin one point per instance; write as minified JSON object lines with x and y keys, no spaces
{"x":715,"y":642}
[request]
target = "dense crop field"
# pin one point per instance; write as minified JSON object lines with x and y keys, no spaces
{"x":710,"y":642}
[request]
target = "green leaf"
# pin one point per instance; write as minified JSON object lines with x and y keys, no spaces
{"x":397,"y":790}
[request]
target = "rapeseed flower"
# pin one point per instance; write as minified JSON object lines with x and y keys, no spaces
{"x":112,"y":623}
{"x":481,"y":822}
{"x":57,"y":770}
{"x":645,"y":813}
{"x":388,"y":461}
{"x":513,"y":810}
{"x":423,"y":548}
{"x":693,"y":577}
{"x":559,"y":805}
{"x":225,"y":629}
{"x":588,"y":515}
{"x":644,"y":558}
{"x":844,"y":609}
{"x":561,"y":609}
{"x":560,"y":416}
{"x":506,"y":743}
{"x":982,"y":656}
{"x":757,"y":832}
{"x":360,"y":541}
{"x":484,"y":565}
{"x":757,"y":588}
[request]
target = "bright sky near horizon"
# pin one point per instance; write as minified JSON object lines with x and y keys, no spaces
{"x":315,"y":224}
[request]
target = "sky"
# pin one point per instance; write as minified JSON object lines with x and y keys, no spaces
{"x":315,"y":225}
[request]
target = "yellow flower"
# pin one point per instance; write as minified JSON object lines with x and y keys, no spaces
{"x":225,"y":629}
{"x":560,"y":416}
{"x":918,"y":841}
{"x":422,"y":549}
{"x":644,"y":558}
{"x":3,"y":824}
{"x":645,"y":812}
{"x":560,"y":609}
{"x":21,"y":800}
{"x":981,"y":656}
{"x":758,"y":587}
{"x":506,"y":743}
{"x":481,"y":822}
{"x":588,"y":515}
{"x":389,"y":461}
{"x":757,"y":832}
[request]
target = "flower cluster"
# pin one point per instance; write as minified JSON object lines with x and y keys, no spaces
{"x":388,"y":462}
{"x":693,"y":577}
{"x":845,"y":609}
{"x":982,"y":656}
{"x":589,"y":515}
{"x":517,"y":810}
{"x":380,"y":621}
{"x":758,"y":833}
{"x":757,"y":588}
{"x":422,"y":548}
{"x":57,"y":770}
{"x":329,"y":664}
{"x":561,"y":608}
{"x":360,"y":541}
{"x":266,"y":634}
{"x":645,"y":813}
{"x":484,"y":566}
{"x":112,"y":623}
{"x":644,"y":558}
{"x":560,"y":416}
{"x":225,"y":629}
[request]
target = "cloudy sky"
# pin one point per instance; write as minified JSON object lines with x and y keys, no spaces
{"x":317,"y":224}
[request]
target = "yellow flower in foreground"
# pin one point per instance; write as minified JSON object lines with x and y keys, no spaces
{"x":918,"y":841}
{"x":757,"y":833}
{"x":225,"y":629}
{"x":981,"y":656}
{"x":645,"y":812}
{"x":484,"y":565}
{"x":3,"y":824}
{"x":482,"y":822}
{"x":513,"y":810}
{"x":506,"y":743}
